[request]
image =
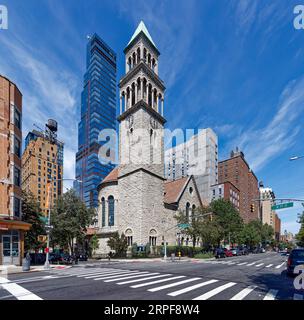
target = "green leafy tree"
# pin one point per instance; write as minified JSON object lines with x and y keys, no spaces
{"x":119,"y":244}
{"x":211,"y":233}
{"x":250,"y":234}
{"x":70,"y":219}
{"x":32,"y":213}
{"x":300,"y":235}
{"x":195,"y":222}
{"x":94,"y":243}
{"x":228,"y":219}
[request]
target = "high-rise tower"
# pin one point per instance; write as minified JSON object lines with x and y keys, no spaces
{"x":98,"y":112}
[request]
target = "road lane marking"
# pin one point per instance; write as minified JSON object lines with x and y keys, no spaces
{"x":297,"y":297}
{"x":215,"y":291}
{"x":271,"y":294}
{"x":270,"y":265}
{"x":17,"y":291}
{"x":251,"y":264}
{"x":259,"y":265}
{"x":231,"y":263}
{"x":240,"y":264}
{"x":244,"y":293}
{"x":143,"y":279}
{"x":280,"y":265}
{"x":128,"y":277}
{"x":119,"y":275}
{"x":155,"y":282}
{"x":176,"y":293}
{"x":173,"y":284}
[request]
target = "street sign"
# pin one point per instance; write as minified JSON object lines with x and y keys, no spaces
{"x":282,"y":206}
{"x":183,"y":225}
{"x":44,"y":219}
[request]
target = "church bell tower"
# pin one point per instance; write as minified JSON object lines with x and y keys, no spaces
{"x":141,"y":107}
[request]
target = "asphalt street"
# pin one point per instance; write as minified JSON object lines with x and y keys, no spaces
{"x":253,"y":277}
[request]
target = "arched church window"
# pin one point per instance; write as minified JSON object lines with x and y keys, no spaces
{"x":111,"y":210}
{"x":153,"y":237}
{"x":193,"y":212}
{"x":103,"y":212}
{"x":187,"y":211}
{"x":129,"y":235}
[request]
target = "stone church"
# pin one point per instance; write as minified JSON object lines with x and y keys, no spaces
{"x":135,"y":198}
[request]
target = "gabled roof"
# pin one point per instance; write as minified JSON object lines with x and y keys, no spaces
{"x":112,"y":176}
{"x":174,"y":189}
{"x":142,"y":28}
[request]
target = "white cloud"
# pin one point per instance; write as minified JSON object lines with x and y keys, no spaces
{"x":263,"y":144}
{"x":49,"y":91}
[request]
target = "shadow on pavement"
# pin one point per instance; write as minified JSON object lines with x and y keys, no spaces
{"x":276,"y":281}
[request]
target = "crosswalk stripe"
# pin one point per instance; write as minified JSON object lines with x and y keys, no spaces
{"x":270,"y":265}
{"x":251,"y":264}
{"x":118,"y":275}
{"x":232,"y":263}
{"x":143,"y":279}
{"x":157,"y":281}
{"x":96,"y":275}
{"x":260,"y":264}
{"x":199,"y":285}
{"x":297,"y":296}
{"x":215,"y":291}
{"x":97,"y":272}
{"x":17,"y":291}
{"x":130,"y":277}
{"x":240,"y":264}
{"x":242,"y":294}
{"x":173,"y":284}
{"x":271,"y":294}
{"x":280,"y":265}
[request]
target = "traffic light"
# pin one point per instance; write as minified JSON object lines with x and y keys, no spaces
{"x":252,"y":208}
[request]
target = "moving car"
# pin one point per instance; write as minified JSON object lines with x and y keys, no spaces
{"x":295,"y":258}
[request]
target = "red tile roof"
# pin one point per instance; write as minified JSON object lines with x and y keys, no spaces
{"x":112,"y":176}
{"x":174,"y":188}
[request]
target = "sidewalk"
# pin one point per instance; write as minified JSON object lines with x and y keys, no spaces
{"x":11,"y":269}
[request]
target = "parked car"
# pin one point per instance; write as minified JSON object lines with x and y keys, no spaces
{"x":295,"y":258}
{"x":228,"y":253}
{"x":82,"y":257}
{"x":236,"y":252}
{"x":243,"y":251}
{"x":219,"y":253}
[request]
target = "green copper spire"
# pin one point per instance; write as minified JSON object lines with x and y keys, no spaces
{"x":142,"y":28}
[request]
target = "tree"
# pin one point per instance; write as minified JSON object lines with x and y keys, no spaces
{"x":32,"y":213}
{"x":119,"y":244}
{"x":228,"y":219}
{"x":300,"y":235}
{"x":210,"y":233}
{"x":94,"y":243}
{"x":250,"y":234}
{"x":70,"y":219}
{"x":195,"y":222}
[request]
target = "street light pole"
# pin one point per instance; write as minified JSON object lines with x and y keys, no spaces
{"x":296,"y":158}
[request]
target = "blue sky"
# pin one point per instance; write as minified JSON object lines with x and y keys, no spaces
{"x":234,"y":66}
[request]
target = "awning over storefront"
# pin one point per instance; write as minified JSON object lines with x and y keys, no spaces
{"x":6,"y":225}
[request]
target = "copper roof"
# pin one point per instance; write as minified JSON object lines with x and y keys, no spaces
{"x":174,"y":188}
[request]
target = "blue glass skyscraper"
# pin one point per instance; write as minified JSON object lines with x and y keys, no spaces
{"x":98,"y":112}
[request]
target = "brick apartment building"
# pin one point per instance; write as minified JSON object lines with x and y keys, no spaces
{"x":11,"y":227}
{"x":277,"y":228}
{"x":237,"y":171}
{"x":42,"y":161}
{"x":227,"y":191}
